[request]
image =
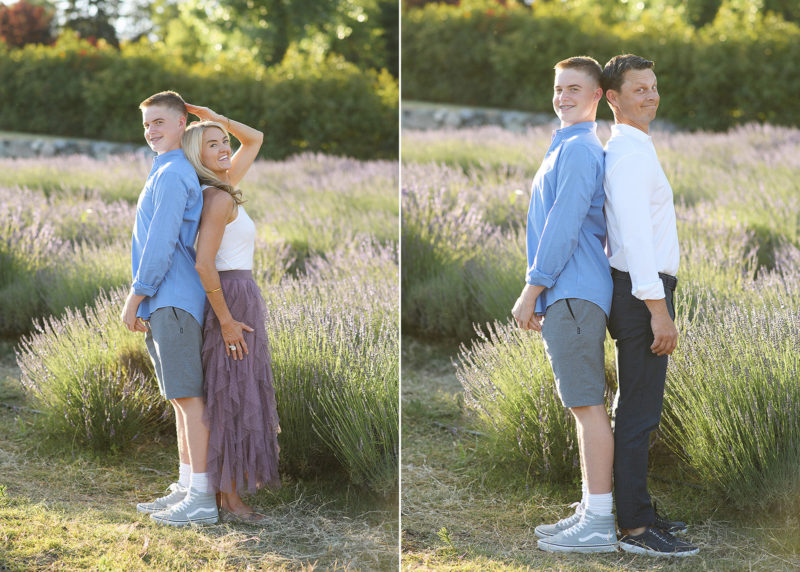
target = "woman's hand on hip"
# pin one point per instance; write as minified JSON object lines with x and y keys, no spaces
{"x":233,"y":337}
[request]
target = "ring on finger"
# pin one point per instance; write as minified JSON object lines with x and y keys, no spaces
{"x":232,"y":347}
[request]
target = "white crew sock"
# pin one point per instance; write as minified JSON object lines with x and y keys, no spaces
{"x":200,"y":482}
{"x":600,"y":504}
{"x":184,"y":475}
{"x":584,"y":494}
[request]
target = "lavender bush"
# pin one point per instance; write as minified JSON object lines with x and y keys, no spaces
{"x":334,"y":337}
{"x":732,"y":408}
{"x":114,"y":178}
{"x":507,"y":379}
{"x":439,"y":236}
{"x":333,"y":320}
{"x":91,"y":377}
{"x":66,"y":222}
{"x":57,"y":252}
{"x":733,"y":378}
{"x":486,"y":149}
{"x":736,"y":193}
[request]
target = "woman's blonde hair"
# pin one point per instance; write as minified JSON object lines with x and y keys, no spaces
{"x":192,"y":147}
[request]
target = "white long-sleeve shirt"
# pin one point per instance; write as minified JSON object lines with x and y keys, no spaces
{"x":640,"y":215}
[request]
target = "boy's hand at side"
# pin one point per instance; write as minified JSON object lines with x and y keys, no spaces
{"x":523,"y":310}
{"x":129,"y":313}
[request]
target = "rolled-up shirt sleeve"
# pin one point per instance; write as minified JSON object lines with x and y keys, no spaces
{"x":576,"y":183}
{"x":627,"y":190}
{"x":170,"y":194}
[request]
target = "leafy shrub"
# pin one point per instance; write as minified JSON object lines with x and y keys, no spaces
{"x":709,"y":78}
{"x":305,"y":104}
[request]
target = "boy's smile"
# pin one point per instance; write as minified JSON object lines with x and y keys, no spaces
{"x":163,"y":128}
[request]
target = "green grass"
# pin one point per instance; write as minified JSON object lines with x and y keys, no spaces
{"x":76,"y":511}
{"x":488,"y":510}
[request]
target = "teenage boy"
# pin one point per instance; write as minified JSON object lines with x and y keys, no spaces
{"x":568,"y":296}
{"x":643,"y":253}
{"x":166,"y":302}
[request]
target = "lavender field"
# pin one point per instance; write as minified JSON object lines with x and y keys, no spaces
{"x":731,"y":425}
{"x":327,"y":263}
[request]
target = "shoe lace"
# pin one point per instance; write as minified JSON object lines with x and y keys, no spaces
{"x":663,"y":536}
{"x":578,"y":511}
{"x":172,"y":491}
{"x":576,"y":528}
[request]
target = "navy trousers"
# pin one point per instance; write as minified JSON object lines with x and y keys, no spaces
{"x":641,"y":375}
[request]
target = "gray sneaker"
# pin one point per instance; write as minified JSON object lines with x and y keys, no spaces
{"x":547,"y":530}
{"x":593,"y":533}
{"x":176,"y":495}
{"x":196,"y":508}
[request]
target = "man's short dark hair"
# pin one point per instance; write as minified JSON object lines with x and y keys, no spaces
{"x":587,"y":65}
{"x":614,"y":70}
{"x":170,"y":99}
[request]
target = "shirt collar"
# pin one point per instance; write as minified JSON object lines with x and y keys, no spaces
{"x":575,"y":129}
{"x":630,"y":131}
{"x":169,"y":155}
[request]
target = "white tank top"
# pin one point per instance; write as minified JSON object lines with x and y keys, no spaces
{"x":238,"y":243}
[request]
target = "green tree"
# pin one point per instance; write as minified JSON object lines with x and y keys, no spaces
{"x":92,"y":19}
{"x":266,"y":30}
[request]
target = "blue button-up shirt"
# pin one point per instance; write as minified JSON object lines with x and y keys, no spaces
{"x":566,"y":230}
{"x":162,"y":251}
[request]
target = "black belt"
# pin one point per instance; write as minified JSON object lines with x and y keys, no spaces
{"x":669,"y":281}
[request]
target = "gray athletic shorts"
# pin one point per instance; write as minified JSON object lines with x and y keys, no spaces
{"x":174,"y":340}
{"x":574,"y":331}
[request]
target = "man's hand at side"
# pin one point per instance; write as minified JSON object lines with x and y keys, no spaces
{"x":523,"y":310}
{"x":129,"y":313}
{"x":665,"y":334}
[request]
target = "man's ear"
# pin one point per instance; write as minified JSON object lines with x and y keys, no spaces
{"x":598,"y":94}
{"x":611,"y":96}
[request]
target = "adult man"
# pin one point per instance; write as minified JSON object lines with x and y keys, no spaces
{"x":643,"y":253}
{"x":166,"y":301}
{"x":568,"y":296}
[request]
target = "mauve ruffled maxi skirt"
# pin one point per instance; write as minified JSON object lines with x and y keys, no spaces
{"x":241,"y":410}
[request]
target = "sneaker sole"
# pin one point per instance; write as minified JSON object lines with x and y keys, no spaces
{"x":548,"y":547}
{"x":650,"y":552}
{"x":149,"y":510}
{"x":179,"y":523}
